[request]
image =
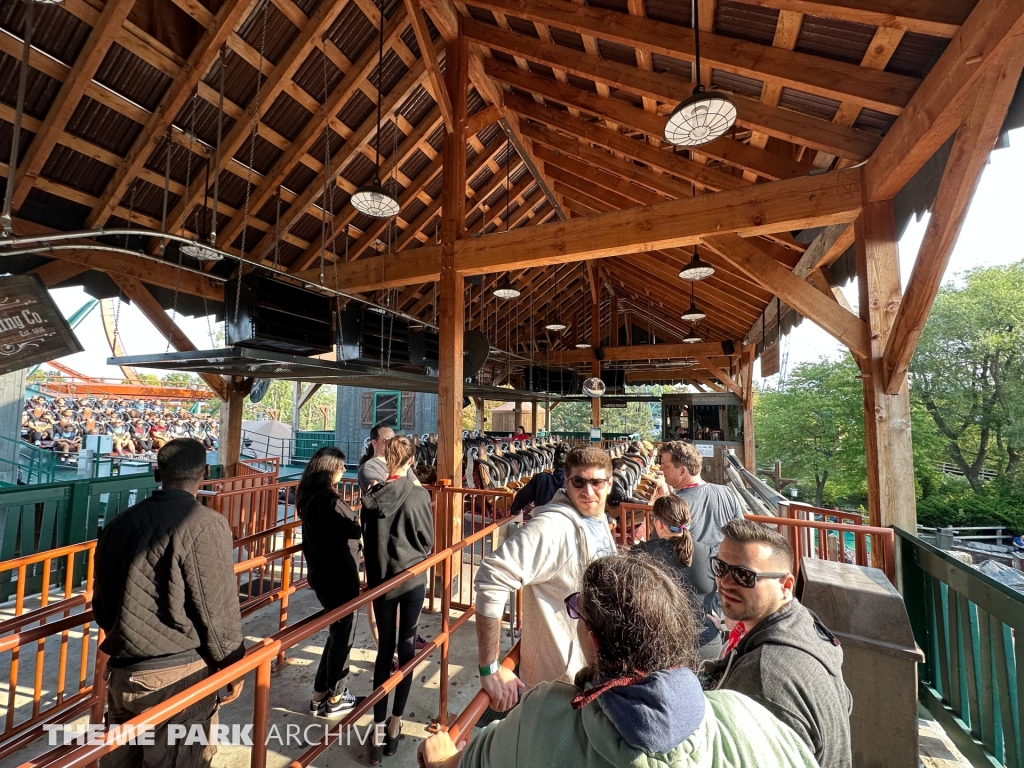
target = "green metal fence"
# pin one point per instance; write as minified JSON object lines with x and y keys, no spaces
{"x":40,"y":517}
{"x":308,"y":443}
{"x":23,"y":462}
{"x":967,"y":624}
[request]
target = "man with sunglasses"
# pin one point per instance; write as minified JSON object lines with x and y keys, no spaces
{"x":780,"y":653}
{"x":545,"y":559}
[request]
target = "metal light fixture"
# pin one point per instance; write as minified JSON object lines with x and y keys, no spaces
{"x":705,"y":115}
{"x":693,"y":314}
{"x":506,"y":290}
{"x":200,"y":252}
{"x":372,"y":199}
{"x":555,"y":325}
{"x":697,"y":269}
{"x":692,"y":337}
{"x":582,"y":345}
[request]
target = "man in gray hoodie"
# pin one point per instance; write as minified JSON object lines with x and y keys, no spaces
{"x":545,"y":559}
{"x":780,"y":654}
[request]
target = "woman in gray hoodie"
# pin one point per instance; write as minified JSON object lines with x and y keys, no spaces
{"x":398,"y":533}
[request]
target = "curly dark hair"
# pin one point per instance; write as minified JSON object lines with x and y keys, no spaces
{"x":640,"y":614}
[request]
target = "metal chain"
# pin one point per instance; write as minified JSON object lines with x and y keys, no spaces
{"x":252,"y":155}
{"x":327,"y":202}
{"x":124,"y":264}
{"x":220,"y":134}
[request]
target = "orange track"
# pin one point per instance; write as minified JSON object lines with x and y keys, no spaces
{"x":75,"y":384}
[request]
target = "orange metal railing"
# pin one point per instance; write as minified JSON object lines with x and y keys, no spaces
{"x":259,"y":659}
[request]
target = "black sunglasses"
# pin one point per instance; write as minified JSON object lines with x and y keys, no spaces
{"x":579,"y":483}
{"x":572,"y":605}
{"x":743,"y":577}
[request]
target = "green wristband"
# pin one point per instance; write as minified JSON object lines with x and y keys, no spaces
{"x":490,"y":669}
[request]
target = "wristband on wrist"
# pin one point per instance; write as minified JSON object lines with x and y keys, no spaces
{"x":490,"y":669}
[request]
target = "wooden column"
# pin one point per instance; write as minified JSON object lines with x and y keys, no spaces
{"x":890,"y":460}
{"x":547,"y":416}
{"x":747,"y":374}
{"x":533,"y":418}
{"x":595,"y":366}
{"x":478,"y":403}
{"x":451,"y":295}
{"x":517,"y":415}
{"x":230,"y":440}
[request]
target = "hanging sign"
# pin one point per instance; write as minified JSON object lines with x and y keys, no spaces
{"x":770,"y":360}
{"x":32,"y":329}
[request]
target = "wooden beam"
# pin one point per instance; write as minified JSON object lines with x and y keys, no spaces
{"x":426,"y":46}
{"x":753,"y":210}
{"x":844,"y":326}
{"x":967,"y":159}
{"x":671,"y":163}
{"x":487,"y":116}
{"x":55,"y":272}
{"x":767,"y":164}
{"x":203,"y":56}
{"x":165,"y":276}
{"x":883,"y":91}
{"x":63,"y":107}
{"x":937,"y":107}
{"x":703,"y":378}
{"x":146,"y":303}
{"x":938,"y":18}
{"x":638,"y":352}
{"x":828,"y":246}
{"x":721,"y":375}
{"x":653,"y":87}
{"x":313,"y":130}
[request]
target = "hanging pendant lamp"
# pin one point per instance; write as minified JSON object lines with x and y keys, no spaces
{"x":697,"y":269}
{"x":705,"y":115}
{"x":693,"y":314}
{"x":692,"y":337}
{"x":555,"y":325}
{"x":582,"y":345}
{"x":506,"y":290}
{"x":372,"y":199}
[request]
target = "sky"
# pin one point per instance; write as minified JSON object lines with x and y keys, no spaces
{"x":990,"y":236}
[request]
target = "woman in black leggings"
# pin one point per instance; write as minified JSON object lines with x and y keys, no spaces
{"x":398,"y":533}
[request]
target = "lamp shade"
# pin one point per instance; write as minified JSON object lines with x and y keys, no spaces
{"x":700,"y":119}
{"x":375,"y":201}
{"x":692,"y":337}
{"x":697,"y":269}
{"x":555,"y":325}
{"x":693,"y":314}
{"x":200,"y":252}
{"x":505,"y":290}
{"x":582,"y":345}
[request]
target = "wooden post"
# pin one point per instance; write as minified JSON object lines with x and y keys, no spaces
{"x":747,"y":373}
{"x":517,"y":415}
{"x":451,"y":295}
{"x":478,"y":403}
{"x":890,"y":460}
{"x":230,"y":440}
{"x":547,"y":416}
{"x":595,"y":366}
{"x":533,"y":418}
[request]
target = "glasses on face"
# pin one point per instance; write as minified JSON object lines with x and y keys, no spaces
{"x":744,"y":577}
{"x":572,"y":605}
{"x":579,"y":483}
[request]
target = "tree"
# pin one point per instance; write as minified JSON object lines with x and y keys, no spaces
{"x":968,"y":372}
{"x":279,"y":397}
{"x":815,"y":427}
{"x":639,"y":417}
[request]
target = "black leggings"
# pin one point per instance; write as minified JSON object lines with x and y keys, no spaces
{"x":397,"y":619}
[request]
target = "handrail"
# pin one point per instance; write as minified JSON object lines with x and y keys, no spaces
{"x":481,"y":701}
{"x":770,"y":496}
{"x":258,"y":658}
{"x":969,"y":627}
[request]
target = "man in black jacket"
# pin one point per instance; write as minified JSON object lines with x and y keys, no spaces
{"x":166,"y":597}
{"x":779,"y":653}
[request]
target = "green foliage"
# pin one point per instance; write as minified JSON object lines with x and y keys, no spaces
{"x":968,"y":372}
{"x":574,"y":416}
{"x":279,"y":397}
{"x":954,"y":503}
{"x":815,"y":426}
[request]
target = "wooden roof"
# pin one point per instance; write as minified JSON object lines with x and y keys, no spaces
{"x":582,"y":89}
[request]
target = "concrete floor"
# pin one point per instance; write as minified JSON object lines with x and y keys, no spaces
{"x":291,"y":689}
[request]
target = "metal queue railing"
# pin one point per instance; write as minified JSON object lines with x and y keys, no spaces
{"x":260,"y":657}
{"x":812,"y":532}
{"x":269,"y":568}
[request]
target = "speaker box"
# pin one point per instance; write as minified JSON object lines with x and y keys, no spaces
{"x":277,"y":316}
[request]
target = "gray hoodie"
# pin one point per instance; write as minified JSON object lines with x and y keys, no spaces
{"x":793,"y":665}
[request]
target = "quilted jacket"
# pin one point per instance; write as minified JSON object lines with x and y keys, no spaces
{"x":165,"y":592}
